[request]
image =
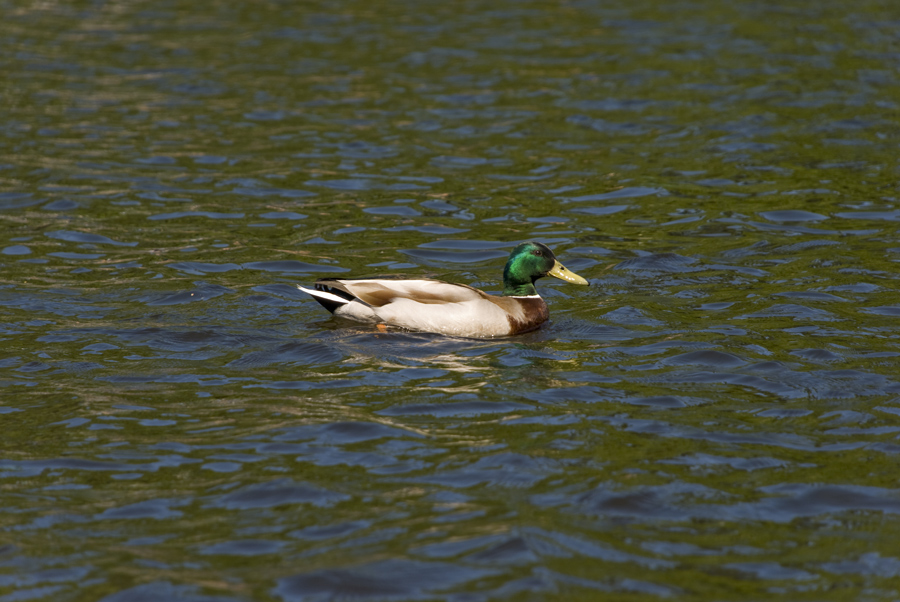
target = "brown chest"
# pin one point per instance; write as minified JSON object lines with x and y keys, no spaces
{"x":532,"y":312}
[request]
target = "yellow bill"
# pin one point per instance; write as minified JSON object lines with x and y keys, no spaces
{"x":560,"y":271}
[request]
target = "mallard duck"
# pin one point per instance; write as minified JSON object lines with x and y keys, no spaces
{"x":453,"y":309}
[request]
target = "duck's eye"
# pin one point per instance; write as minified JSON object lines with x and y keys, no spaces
{"x":537,"y":252}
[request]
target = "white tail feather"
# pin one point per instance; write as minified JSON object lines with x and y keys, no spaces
{"x":324,"y":295}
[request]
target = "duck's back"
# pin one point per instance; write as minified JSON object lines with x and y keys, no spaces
{"x":378,"y":292}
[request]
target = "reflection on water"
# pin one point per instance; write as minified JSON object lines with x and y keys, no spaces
{"x":716,"y":417}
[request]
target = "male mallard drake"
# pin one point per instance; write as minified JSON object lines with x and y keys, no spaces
{"x":453,"y":309}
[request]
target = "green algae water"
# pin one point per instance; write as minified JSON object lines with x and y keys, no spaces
{"x":715,"y":418}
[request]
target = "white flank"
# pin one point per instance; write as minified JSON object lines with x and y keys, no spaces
{"x":477,"y":318}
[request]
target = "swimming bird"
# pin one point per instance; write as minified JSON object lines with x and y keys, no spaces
{"x":435,"y":306}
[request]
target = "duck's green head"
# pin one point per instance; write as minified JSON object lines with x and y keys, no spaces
{"x":528,"y":262}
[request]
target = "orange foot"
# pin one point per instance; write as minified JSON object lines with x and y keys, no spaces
{"x":381,"y":327}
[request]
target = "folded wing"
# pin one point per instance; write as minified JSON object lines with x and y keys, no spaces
{"x":379,"y":292}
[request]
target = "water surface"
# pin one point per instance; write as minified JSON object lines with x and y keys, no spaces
{"x":714,"y":418}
